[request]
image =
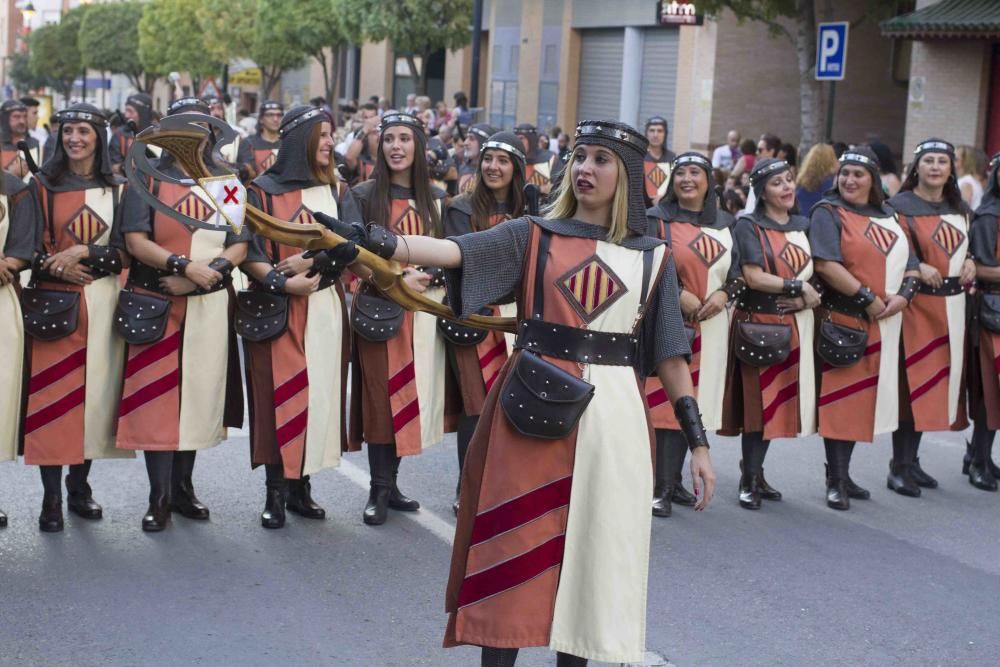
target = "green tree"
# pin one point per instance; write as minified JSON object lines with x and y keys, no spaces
{"x":54,"y":53}
{"x":316,"y":28}
{"x":20,"y":72}
{"x":109,"y":41}
{"x":170,"y":39}
{"x":275,"y":46}
{"x":414,"y":27}
{"x":227,"y":28}
{"x":795,"y":20}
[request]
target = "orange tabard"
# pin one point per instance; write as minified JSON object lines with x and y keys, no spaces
{"x":278,"y":377}
{"x":772,"y":399}
{"x":150,"y":415}
{"x":263,"y":158}
{"x":696,"y":253}
{"x":56,"y":429}
{"x":385,"y":405}
{"x":934,"y":330}
{"x":850,"y":399}
{"x":512,"y":545}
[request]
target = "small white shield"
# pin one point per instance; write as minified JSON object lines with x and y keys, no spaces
{"x":229,"y":197}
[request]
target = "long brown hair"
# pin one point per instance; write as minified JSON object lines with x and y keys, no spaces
{"x":328,"y":174}
{"x":420,"y":182}
{"x":484,"y":202}
{"x":952,"y":193}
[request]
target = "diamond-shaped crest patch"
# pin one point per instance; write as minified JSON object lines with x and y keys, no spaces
{"x":657,"y":176}
{"x":882,"y":238}
{"x":194,"y":207}
{"x":795,"y":257}
{"x":303,"y":216}
{"x":948,"y":237}
{"x":268,"y":161}
{"x":538,"y":178}
{"x":86,"y":226}
{"x":409,"y":223}
{"x":707,"y":248}
{"x":591,"y":287}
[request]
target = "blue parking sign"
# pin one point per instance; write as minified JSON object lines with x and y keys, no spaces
{"x":831,"y":51}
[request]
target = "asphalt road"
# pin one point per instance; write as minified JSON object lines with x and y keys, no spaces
{"x":895,"y":581}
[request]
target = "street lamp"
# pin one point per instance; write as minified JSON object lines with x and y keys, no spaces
{"x":28,"y":11}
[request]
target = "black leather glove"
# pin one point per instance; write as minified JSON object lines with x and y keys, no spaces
{"x":332,"y":260}
{"x":686,"y":411}
{"x":352,"y":232}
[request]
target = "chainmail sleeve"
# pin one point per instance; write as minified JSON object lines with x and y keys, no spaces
{"x":662,"y":334}
{"x":492,"y":262}
{"x":983,"y":240}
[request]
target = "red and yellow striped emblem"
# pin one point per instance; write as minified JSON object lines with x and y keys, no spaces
{"x":409,"y":223}
{"x":537,"y":177}
{"x":882,"y":238}
{"x":708,"y":248}
{"x":266,"y":163}
{"x":86,"y":226}
{"x":194,"y":207}
{"x":591,"y":287}
{"x":948,"y":237}
{"x":657,"y":176}
{"x":795,"y":257}
{"x":303,"y":216}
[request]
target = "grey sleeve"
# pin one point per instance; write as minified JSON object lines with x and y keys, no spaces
{"x":669,"y":340}
{"x":456,"y":223}
{"x":255,"y":251}
{"x":983,"y":240}
{"x":492,"y":263}
{"x":25,"y":233}
{"x":824,"y":234}
{"x":350,"y":212}
{"x":747,"y":244}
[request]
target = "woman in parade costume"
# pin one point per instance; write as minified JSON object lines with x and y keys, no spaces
{"x":546,"y":501}
{"x":296,"y":382}
{"x":934,"y":218}
{"x":20,"y":224}
{"x":265,"y":142}
{"x":398,"y":383}
{"x":657,"y":161}
{"x":183,"y":389}
{"x":870,"y":275}
{"x":540,"y":165}
{"x":701,"y":243}
{"x":497,"y":195}
{"x":984,"y":348}
{"x":771,"y":388}
{"x":75,"y":363}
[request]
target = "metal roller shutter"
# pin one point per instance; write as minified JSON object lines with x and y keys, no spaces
{"x":600,"y":74}
{"x":659,"y":74}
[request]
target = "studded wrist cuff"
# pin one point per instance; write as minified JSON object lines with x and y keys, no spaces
{"x":909,"y":288}
{"x":222,"y":265}
{"x":177,"y":264}
{"x":275,"y":281}
{"x":734,"y":288}
{"x":689,"y":418}
{"x":104,"y":258}
{"x":793,"y":287}
{"x":381,"y":241}
{"x":864,"y":297}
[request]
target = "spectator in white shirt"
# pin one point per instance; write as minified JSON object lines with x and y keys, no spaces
{"x":725,"y":156}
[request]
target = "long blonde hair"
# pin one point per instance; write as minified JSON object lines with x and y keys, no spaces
{"x":564,"y":203}
{"x":820,"y":162}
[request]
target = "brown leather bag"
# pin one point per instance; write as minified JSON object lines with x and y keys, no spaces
{"x":761,"y":344}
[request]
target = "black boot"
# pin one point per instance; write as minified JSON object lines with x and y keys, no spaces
{"x":750,"y":491}
{"x":300,"y":499}
{"x":51,"y":518}
{"x":158,"y":467}
{"x":979,"y":469}
{"x":273,"y":515}
{"x":381,"y":460}
{"x":677,"y":449}
{"x":397,"y":500}
{"x":182,"y":498}
{"x":498,"y":657}
{"x":567,"y":660}
{"x":79,"y":497}
{"x":3,"y":520}
{"x":767,"y":492}
{"x":900,"y":477}
{"x":750,"y":466}
{"x":919,"y":475}
{"x":662,"y":491}
{"x":837,"y":462}
{"x":466,"y":427}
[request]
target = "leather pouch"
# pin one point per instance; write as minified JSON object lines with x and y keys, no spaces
{"x":989,"y":312}
{"x":141,"y":318}
{"x":49,"y":314}
{"x":261,"y":316}
{"x":541,"y":400}
{"x":762,"y":344}
{"x":840,"y":345}
{"x":374,"y":317}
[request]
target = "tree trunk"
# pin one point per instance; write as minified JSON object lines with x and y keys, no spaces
{"x":810,"y":94}
{"x":270,"y":77}
{"x":426,"y":56}
{"x":335,"y":89}
{"x":415,"y":75}
{"x":320,"y":57}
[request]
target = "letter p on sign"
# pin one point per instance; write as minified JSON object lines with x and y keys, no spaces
{"x":831,"y":51}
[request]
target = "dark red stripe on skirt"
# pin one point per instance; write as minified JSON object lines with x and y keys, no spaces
{"x":151,"y":391}
{"x":844,"y":392}
{"x":519,"y":511}
{"x":291,"y":387}
{"x":511,"y":573}
{"x":493,"y":378}
{"x":153,"y":353}
{"x":54,"y":411}
{"x":405,"y":416}
{"x":292,"y":429}
{"x":696,"y":344}
{"x":402,"y":378}
{"x":497,"y":350}
{"x":771,"y":373}
{"x":927,"y":386}
{"x":926,"y":350}
{"x":695,"y":375}
{"x":658,"y":397}
{"x":57,"y":371}
{"x":785,"y":395}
